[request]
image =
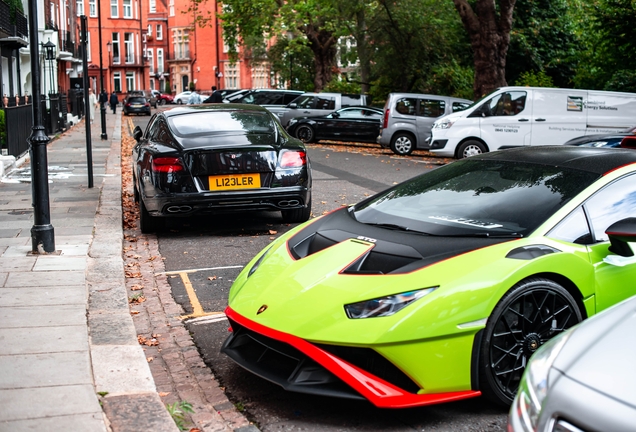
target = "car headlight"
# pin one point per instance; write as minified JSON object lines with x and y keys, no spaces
{"x":443,"y":124}
{"x":534,"y":384}
{"x":384,"y":306}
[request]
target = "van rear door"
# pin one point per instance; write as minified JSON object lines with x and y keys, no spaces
{"x":609,"y":112}
{"x":558,"y":115}
{"x":429,"y":110}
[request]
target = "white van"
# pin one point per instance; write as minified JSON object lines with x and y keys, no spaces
{"x":524,"y":116}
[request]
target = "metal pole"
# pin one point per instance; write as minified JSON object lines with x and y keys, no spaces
{"x":102,"y":105}
{"x":42,"y":233}
{"x":87,"y":103}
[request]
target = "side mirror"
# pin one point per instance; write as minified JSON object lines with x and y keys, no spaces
{"x":292,"y":105}
{"x":137,"y":133}
{"x":620,"y":234}
{"x":335,"y":115}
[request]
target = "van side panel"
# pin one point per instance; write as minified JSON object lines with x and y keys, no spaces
{"x":609,"y":112}
{"x":558,"y":115}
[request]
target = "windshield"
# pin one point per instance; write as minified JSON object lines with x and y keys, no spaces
{"x":476,"y":197}
{"x":208,"y":122}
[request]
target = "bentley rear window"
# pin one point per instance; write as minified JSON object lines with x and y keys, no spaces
{"x":211,"y":122}
{"x":476,"y":197}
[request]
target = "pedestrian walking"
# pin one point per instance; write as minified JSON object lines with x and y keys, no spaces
{"x":114,"y":101}
{"x":216,"y":96}
{"x":195,"y":98}
{"x":92,"y":102}
{"x":103,"y":99}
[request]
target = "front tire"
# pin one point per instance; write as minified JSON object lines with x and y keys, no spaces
{"x":305,"y":133}
{"x":403,"y":144}
{"x":179,"y":102}
{"x":470,"y":148}
{"x":527,"y":316}
{"x":163,"y":102}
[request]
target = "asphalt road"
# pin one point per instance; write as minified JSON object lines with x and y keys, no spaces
{"x":204,"y":255}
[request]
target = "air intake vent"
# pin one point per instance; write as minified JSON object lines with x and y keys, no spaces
{"x":379,"y":263}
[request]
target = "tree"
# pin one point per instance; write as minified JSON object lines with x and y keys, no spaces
{"x":318,"y":21}
{"x":488,"y":25}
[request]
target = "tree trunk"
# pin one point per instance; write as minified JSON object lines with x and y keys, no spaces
{"x":489,"y":30}
{"x":323,"y":44}
{"x":364,"y":54}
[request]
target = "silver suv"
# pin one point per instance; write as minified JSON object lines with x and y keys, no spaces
{"x":408,"y":118}
{"x":316,"y":104}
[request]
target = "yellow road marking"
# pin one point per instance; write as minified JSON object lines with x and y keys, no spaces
{"x":197,"y":310}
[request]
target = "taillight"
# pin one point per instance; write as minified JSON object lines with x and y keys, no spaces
{"x":385,"y":123}
{"x":629,"y":141}
{"x":293,"y":159}
{"x":166,"y":165}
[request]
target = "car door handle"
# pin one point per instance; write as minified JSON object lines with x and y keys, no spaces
{"x":524,"y":120}
{"x":540,"y":119}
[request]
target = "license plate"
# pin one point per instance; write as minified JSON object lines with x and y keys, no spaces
{"x":235,"y":181}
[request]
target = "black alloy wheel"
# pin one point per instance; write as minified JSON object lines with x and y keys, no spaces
{"x":531,"y":313}
{"x":305,"y":133}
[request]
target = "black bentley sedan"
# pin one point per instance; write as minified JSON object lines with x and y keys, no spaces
{"x":218,"y":158}
{"x":354,"y":123}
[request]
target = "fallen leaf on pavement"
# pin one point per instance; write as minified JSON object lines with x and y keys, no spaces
{"x":212,"y":278}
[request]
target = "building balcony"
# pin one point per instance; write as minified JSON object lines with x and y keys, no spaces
{"x":12,"y":26}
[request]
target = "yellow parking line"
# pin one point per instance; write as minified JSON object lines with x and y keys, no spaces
{"x":197,"y":310}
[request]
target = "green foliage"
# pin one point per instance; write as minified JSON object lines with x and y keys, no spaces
{"x":340,"y":84}
{"x":14,"y":6}
{"x":178,"y":412}
{"x":543,"y":39}
{"x":192,"y":86}
{"x":292,"y":59}
{"x":534,"y":79}
{"x":623,"y":80}
{"x":449,"y":79}
{"x":167,"y":88}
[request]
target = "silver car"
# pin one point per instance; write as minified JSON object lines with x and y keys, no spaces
{"x":409,"y":117}
{"x":583,"y":379}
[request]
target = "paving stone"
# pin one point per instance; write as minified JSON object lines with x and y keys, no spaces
{"x":49,"y":369}
{"x":127,"y":412}
{"x":45,"y":296}
{"x":48,"y":279}
{"x":47,"y":340}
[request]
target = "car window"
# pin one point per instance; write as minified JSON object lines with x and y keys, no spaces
{"x":460,"y":106}
{"x":136,"y":100}
{"x":325,"y":103}
{"x":209,"y":122}
{"x":351,"y":113}
{"x":348,"y":100}
{"x":371,"y":114}
{"x":506,"y":104}
{"x":267,"y":98}
{"x":574,"y":229}
{"x":305,"y":102}
{"x":152,"y":131}
{"x":431,"y":108}
{"x":611,"y":204}
{"x":477,"y":197}
{"x":289,"y":97}
{"x":406,"y":106}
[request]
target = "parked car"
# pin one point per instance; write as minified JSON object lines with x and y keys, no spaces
{"x":231,"y":97}
{"x":442,"y":287}
{"x":531,"y":116}
{"x":218,"y":158}
{"x":357,"y":123}
{"x":268,"y":98}
{"x":583,"y":379}
{"x":147,"y":94}
{"x":136,"y":105}
{"x":162,"y":98}
{"x":182,"y":98}
{"x":317,"y":104}
{"x":605,"y":140}
{"x":409,"y":117}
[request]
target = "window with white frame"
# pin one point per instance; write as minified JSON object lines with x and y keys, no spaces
{"x":171,"y":7}
{"x":159,"y":32}
{"x":117,"y":81}
{"x":114,"y":9}
{"x":116,"y":48}
{"x":151,"y":59}
{"x":149,"y":32}
{"x":160,"y":60}
{"x":152,"y":83}
{"x":92,"y":8}
{"x":259,"y":76}
{"x":181,"y":43}
{"x":88,"y":46}
{"x":53,"y":14}
{"x":127,"y":8}
{"x":153,"y":6}
{"x":231,"y":75}
{"x":129,"y":48}
{"x":130,"y":81}
{"x":79,"y":6}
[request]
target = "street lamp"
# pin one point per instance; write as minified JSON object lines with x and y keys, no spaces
{"x":49,"y":54}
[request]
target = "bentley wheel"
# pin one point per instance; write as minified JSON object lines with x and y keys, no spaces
{"x":403,"y":144}
{"x":470,"y":148}
{"x":530,"y":314}
{"x":147,"y":223}
{"x":305,"y":133}
{"x":297,"y":215}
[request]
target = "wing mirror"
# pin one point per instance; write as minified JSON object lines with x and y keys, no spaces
{"x":137,"y":133}
{"x":335,"y":115}
{"x":293,"y":105}
{"x":620,"y":234}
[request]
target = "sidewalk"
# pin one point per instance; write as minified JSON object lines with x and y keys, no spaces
{"x":68,"y":344}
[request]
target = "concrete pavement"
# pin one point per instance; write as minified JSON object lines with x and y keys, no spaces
{"x":70,"y":358}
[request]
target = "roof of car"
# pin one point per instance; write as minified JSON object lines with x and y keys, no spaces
{"x":213,"y":107}
{"x":595,"y":160}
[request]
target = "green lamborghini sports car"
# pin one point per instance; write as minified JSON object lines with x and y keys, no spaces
{"x":442,"y":287}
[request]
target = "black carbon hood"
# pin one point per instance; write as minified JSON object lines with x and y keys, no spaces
{"x":394,"y":252}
